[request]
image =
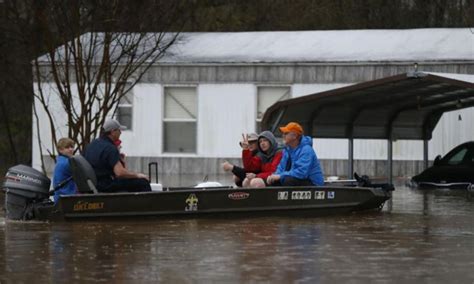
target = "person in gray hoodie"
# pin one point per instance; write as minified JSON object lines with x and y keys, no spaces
{"x":299,"y":165}
{"x":267,"y":158}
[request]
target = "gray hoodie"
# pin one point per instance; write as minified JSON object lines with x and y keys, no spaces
{"x":268,"y":156}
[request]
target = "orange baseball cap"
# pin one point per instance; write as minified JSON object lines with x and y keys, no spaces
{"x":292,"y":127}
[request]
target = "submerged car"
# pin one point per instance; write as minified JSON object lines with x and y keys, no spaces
{"x":455,"y":169}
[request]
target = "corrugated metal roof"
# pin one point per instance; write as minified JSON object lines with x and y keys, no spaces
{"x":325,"y":46}
{"x":355,"y":46}
{"x":405,"y":106}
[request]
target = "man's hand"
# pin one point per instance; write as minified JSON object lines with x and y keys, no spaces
{"x":121,"y":172}
{"x":140,"y":175}
{"x":250,"y":176}
{"x":245,"y":141}
{"x":271,"y":179}
{"x":227,"y":166}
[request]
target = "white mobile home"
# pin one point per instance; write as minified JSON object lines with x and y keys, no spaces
{"x":189,"y":110}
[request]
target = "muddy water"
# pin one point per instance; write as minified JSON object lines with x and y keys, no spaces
{"x":419,"y":237}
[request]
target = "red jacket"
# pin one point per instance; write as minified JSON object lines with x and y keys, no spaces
{"x":266,"y":169}
{"x":252,"y":162}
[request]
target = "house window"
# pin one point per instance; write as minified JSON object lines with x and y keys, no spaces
{"x":124,"y":113}
{"x":267,"y":96}
{"x":180,"y":120}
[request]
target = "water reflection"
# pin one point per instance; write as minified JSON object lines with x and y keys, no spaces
{"x":426,"y":236}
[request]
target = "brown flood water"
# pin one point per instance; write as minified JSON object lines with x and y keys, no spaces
{"x":419,"y":237}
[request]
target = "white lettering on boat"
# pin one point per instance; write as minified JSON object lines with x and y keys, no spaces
{"x":283,"y":195}
{"x":300,"y":195}
{"x":27,"y":178}
{"x":319,"y":194}
{"x":331,"y":194}
{"x":238,"y":195}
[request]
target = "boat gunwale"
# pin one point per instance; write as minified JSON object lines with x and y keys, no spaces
{"x":174,"y":190}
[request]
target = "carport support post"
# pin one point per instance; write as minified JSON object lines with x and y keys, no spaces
{"x":389,"y":160}
{"x":350,"y":166}
{"x":425,"y":153}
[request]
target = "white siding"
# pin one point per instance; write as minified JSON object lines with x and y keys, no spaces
{"x":450,"y":131}
{"x":225,"y":112}
{"x":145,"y":139}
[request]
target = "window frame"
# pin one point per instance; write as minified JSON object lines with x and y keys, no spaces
{"x":164,"y":120}
{"x":258,"y":120}
{"x":126,"y":105}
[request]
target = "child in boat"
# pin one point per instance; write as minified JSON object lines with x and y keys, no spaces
{"x":267,"y":160}
{"x":250,"y":164}
{"x":62,"y":179}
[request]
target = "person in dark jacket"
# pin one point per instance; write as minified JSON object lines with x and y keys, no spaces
{"x":299,"y":164}
{"x":62,"y":179}
{"x":268,"y":158}
{"x":104,"y":158}
{"x":250,"y":161}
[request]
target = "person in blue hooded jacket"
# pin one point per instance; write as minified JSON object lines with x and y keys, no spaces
{"x":299,"y":165}
{"x":62,"y":179}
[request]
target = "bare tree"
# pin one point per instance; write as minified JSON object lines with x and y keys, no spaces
{"x":89,"y":73}
{"x":30,"y":28}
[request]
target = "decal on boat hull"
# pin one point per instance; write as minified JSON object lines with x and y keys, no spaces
{"x":192,"y":203}
{"x":86,"y":206}
{"x":238,"y":195}
{"x":300,"y":195}
{"x":283,"y":195}
{"x":331,"y":194}
{"x":319,"y":195}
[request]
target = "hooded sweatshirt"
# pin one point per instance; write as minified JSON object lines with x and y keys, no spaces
{"x":270,"y":159}
{"x":62,"y":173}
{"x":304,"y":163}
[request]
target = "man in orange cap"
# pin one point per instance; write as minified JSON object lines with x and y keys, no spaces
{"x":299,"y":164}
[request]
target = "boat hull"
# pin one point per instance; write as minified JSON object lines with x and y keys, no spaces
{"x":191,"y":202}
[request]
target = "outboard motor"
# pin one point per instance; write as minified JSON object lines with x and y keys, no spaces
{"x":23,"y":187}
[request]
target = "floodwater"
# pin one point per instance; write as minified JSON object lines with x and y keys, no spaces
{"x":418,"y":237}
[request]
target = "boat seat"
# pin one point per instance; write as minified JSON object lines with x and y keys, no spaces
{"x":83,"y":174}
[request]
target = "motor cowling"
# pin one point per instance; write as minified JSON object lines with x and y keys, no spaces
{"x":23,"y":186}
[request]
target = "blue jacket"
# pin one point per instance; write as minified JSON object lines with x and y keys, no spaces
{"x":304,"y":163}
{"x":62,"y":172}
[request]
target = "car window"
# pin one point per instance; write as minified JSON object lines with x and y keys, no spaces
{"x":470,"y":156}
{"x":456,"y":158}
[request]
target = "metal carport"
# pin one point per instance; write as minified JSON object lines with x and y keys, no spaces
{"x":404,"y":106}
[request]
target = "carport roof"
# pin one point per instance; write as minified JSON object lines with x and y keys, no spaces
{"x":404,"y":106}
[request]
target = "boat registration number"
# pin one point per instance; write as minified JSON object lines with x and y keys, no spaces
{"x":300,"y":195}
